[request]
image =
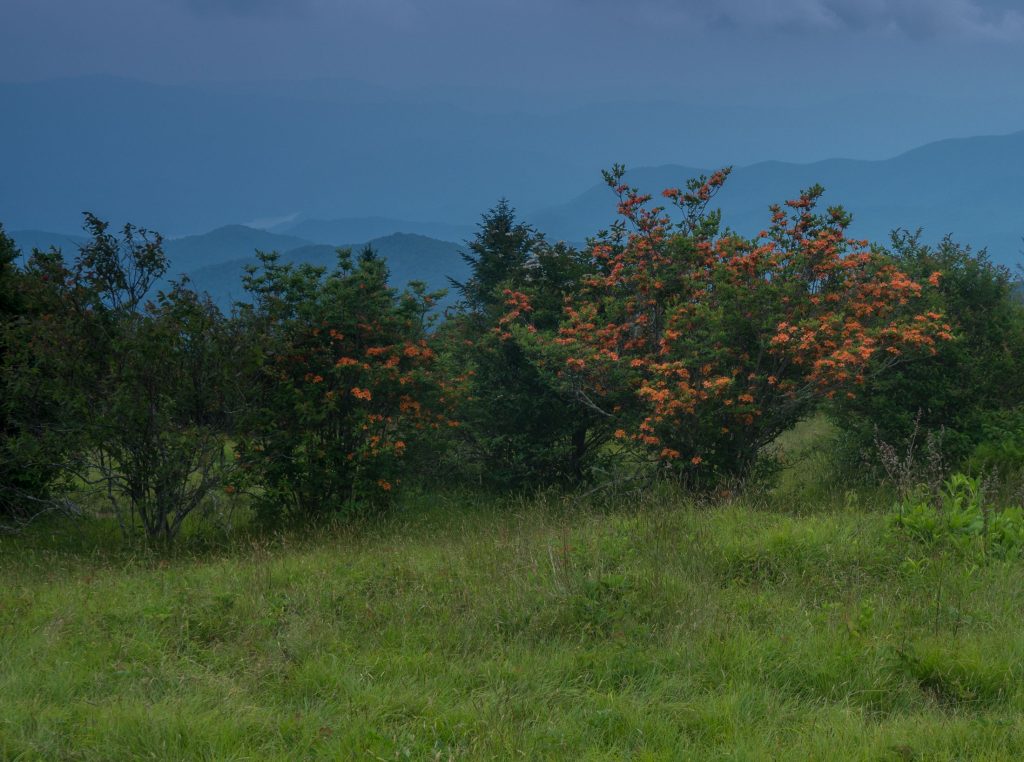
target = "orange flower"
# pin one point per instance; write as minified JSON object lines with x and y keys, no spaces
{"x":696,"y":460}
{"x":620,"y":434}
{"x":384,"y":485}
{"x":362,"y":394}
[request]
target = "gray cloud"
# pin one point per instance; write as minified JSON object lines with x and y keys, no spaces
{"x":918,"y":19}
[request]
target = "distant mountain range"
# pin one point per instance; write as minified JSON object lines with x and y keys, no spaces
{"x":410,"y":257}
{"x":972,"y":188}
{"x":216,"y":261}
{"x":185,"y":159}
{"x":368,"y":228}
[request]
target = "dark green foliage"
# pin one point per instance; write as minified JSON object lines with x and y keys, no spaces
{"x":498,"y":259}
{"x":976,"y":374}
{"x":111,"y":392}
{"x":1000,"y":453}
{"x":156,"y":426}
{"x":38,"y":387}
{"x":18,"y":481}
{"x":518,"y":428}
{"x":9,"y":301}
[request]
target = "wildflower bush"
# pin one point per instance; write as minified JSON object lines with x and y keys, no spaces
{"x":703,"y":346}
{"x":342,"y":384}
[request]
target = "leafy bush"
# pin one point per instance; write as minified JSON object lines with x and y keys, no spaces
{"x":962,"y":520}
{"x":518,"y":427}
{"x":23,"y":476}
{"x":1000,"y":453}
{"x":341,"y":384}
{"x":962,"y":386}
{"x":703,"y":346}
{"x":156,"y":427}
{"x":110,"y":391}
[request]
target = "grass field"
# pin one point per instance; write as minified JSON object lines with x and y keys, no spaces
{"x":793,"y":625}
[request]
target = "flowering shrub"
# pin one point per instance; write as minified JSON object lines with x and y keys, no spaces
{"x":704,"y":346}
{"x":342,"y":384}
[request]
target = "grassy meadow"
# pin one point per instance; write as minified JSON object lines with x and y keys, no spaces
{"x":790,"y":624}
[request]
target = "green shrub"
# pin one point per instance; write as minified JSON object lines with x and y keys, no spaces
{"x":519,"y":427}
{"x":340,"y":385}
{"x":24,"y":477}
{"x":968,"y":379}
{"x":962,"y":520}
{"x":1000,"y":453}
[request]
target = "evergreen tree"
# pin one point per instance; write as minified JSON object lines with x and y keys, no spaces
{"x":520,"y":427}
{"x":498,"y":258}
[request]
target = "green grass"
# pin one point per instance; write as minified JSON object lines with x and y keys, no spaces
{"x":781,"y":627}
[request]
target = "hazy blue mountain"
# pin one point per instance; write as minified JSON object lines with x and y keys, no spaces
{"x":44,"y":240}
{"x":409,"y":257}
{"x":368,"y":228}
{"x":183,"y":159}
{"x":224,"y":243}
{"x":972,"y":188}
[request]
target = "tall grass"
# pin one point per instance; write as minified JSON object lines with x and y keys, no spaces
{"x":789,"y":625}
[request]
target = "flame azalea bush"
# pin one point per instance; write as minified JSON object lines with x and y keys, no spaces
{"x":343,"y":384}
{"x":701,"y":347}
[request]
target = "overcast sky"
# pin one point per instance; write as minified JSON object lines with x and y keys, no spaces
{"x":575,"y":49}
{"x":385,"y":99}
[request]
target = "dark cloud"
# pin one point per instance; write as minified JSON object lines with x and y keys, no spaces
{"x":532,"y":45}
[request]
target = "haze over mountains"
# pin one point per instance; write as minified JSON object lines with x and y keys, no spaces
{"x":972,"y":188}
{"x":216,"y":261}
{"x":224,"y":171}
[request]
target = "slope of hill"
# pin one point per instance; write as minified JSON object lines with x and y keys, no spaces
{"x":44,"y":240}
{"x":368,"y":228}
{"x":409,"y":257}
{"x":223,"y":244}
{"x":970,"y":187}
